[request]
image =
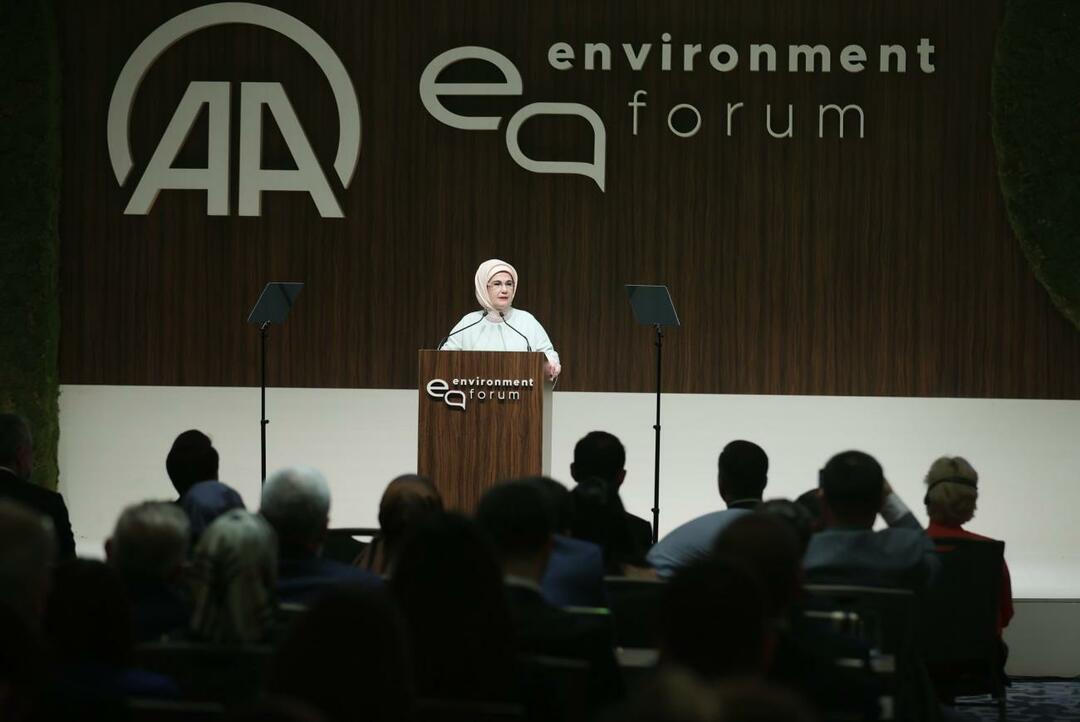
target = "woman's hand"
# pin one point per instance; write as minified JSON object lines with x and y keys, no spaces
{"x":553,"y":369}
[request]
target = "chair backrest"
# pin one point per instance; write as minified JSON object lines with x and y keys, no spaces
{"x":888,"y":621}
{"x":635,"y":604}
{"x":961,"y":608}
{"x":344,"y":544}
{"x":209,"y":672}
{"x":886,"y":616}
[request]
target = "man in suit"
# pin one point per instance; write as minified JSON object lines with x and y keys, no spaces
{"x":742,"y":472}
{"x":849,"y":551}
{"x":600,"y":455}
{"x":516,"y":517}
{"x":296,"y":502}
{"x":16,"y":466}
{"x":192,"y":465}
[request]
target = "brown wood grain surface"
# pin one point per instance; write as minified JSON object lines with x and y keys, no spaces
{"x":875,"y":266}
{"x":496,"y":433}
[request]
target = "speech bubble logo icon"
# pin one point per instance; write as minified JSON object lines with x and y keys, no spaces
{"x":594,"y":170}
{"x":455,"y":399}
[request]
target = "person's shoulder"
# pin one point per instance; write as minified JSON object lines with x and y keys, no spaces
{"x":521,"y":314}
{"x":15,"y":488}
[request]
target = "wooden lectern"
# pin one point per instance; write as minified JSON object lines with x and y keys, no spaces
{"x":484,"y":416}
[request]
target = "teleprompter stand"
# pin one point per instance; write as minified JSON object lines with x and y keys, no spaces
{"x":273,"y":306}
{"x":653,"y":307}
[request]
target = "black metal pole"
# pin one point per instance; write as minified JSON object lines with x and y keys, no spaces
{"x":263,"y":333}
{"x":656,"y":426}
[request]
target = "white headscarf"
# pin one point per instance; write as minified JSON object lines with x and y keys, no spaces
{"x":484,"y":275}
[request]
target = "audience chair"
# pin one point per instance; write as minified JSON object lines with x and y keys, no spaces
{"x":886,"y":619}
{"x":209,"y":672}
{"x":344,"y":545}
{"x":635,"y":604}
{"x":962,"y":649}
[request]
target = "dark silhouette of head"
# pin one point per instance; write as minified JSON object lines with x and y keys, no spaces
{"x":191,"y":459}
{"x":810,"y":500}
{"x":407,"y":500}
{"x":558,"y":500}
{"x":449,"y":587}
{"x":517,"y":518}
{"x":88,"y":618}
{"x":852,"y":485}
{"x":597,"y":515}
{"x":16,"y":445}
{"x":347,"y":658}
{"x":712,"y":620}
{"x":769,"y":548}
{"x":151,"y":541}
{"x":601,"y":455}
{"x":743,"y":471}
{"x":796,"y":516}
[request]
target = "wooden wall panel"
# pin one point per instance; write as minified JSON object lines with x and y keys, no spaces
{"x":881,"y":266}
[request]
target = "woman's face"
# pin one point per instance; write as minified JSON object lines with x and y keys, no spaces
{"x":501,"y":291}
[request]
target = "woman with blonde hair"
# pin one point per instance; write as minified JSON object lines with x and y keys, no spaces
{"x":952,"y":493}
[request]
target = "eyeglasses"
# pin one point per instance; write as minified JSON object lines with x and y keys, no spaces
{"x":509,"y":285}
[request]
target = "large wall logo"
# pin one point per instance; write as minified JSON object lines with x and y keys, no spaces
{"x":214,"y":179}
{"x":761,"y":59}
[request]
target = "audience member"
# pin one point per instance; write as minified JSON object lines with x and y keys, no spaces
{"x":27,"y":553}
{"x":149,"y":547}
{"x":296,"y":502}
{"x":234,"y":572}
{"x":192,"y":465}
{"x":408,"y":499}
{"x":713,"y":621}
{"x":347,"y":659}
{"x":597,"y":516}
{"x":848,"y":551}
{"x":516,"y":518}
{"x":805,"y":655}
{"x":810,"y":500}
{"x":449,"y":587}
{"x":952,"y":490}
{"x":16,"y":468}
{"x":575,"y":572}
{"x":795,"y":516}
{"x":742,"y":474}
{"x":600,"y":455}
{"x":88,"y":624}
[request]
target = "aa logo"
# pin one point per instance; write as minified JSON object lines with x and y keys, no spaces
{"x":160,"y":174}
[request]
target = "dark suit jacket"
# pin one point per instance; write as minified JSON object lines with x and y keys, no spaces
{"x":546,"y":630}
{"x":302,"y":579}
{"x":640,"y":532}
{"x":575,"y":574}
{"x":43,"y":501}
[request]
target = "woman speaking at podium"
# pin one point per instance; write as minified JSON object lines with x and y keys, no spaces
{"x":500,"y":326}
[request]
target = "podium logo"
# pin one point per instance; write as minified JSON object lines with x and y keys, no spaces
{"x":439,"y":389}
{"x":160,"y":174}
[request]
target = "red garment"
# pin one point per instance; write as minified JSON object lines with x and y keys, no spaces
{"x":1005,"y":606}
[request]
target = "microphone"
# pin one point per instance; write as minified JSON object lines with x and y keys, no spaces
{"x":447,"y":337}
{"x":528,"y":346}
